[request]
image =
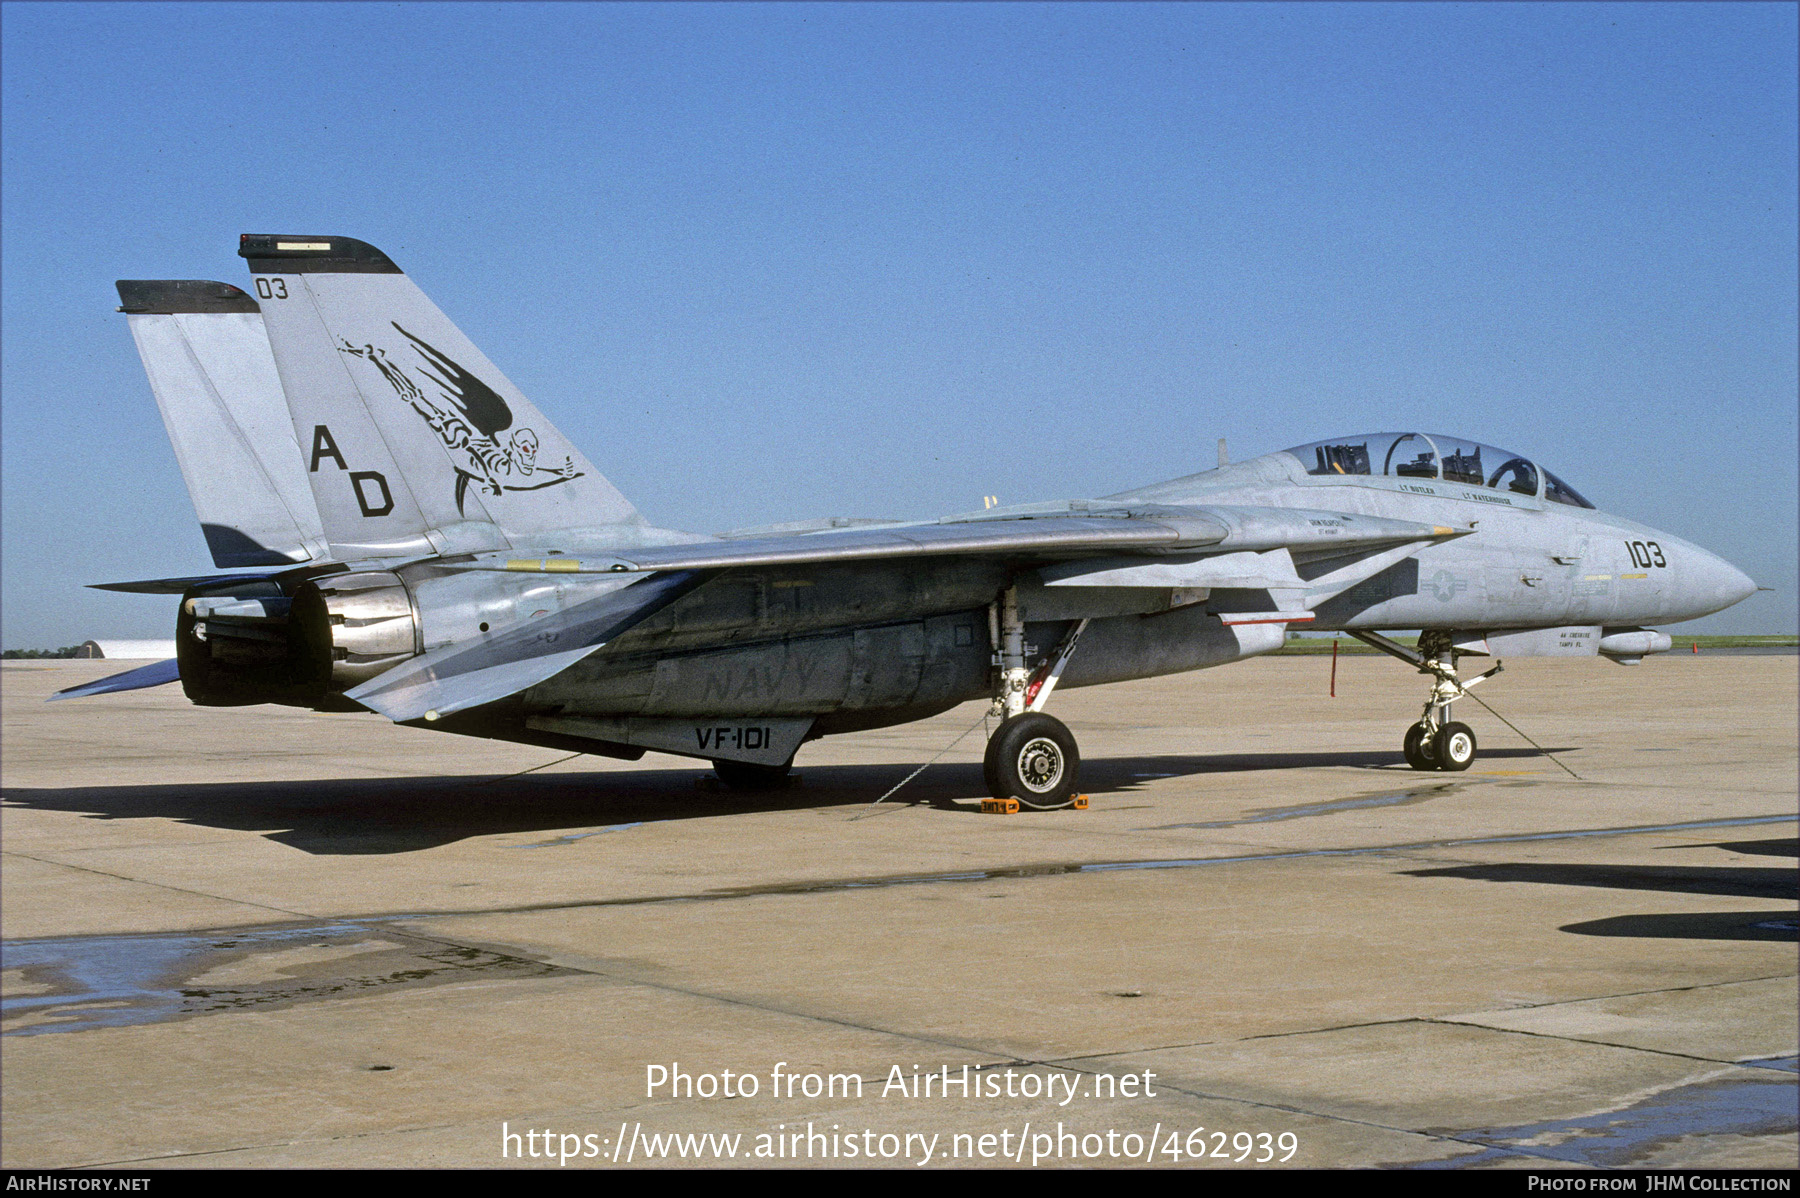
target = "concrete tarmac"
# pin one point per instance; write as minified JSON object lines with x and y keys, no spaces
{"x":262,"y":937}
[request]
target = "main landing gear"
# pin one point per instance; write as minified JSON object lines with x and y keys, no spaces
{"x":1435,"y":742}
{"x":1031,"y":757}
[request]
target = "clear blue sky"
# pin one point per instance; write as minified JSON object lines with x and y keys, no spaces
{"x":771,"y":262}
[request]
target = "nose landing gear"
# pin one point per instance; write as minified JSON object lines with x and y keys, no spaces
{"x":1435,"y":741}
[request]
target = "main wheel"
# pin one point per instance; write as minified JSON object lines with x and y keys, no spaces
{"x":1454,"y":747}
{"x":1032,"y":758}
{"x":742,"y":775}
{"x":1417,"y":748}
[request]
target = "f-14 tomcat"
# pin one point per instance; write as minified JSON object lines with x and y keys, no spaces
{"x":406,"y":534}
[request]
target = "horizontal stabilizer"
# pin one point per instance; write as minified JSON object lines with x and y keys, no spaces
{"x":158,"y":674}
{"x":177,"y":586}
{"x":470,"y":673}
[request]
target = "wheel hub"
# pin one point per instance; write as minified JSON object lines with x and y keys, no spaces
{"x":1040,"y":765}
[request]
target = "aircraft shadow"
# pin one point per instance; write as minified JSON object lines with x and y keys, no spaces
{"x":1738,"y":881}
{"x":1117,"y":773}
{"x":1782,"y":926}
{"x":1758,"y":882}
{"x":359,"y":816}
{"x":1788,"y":846}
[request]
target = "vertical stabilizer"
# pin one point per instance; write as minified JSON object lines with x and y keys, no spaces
{"x":208,"y":360}
{"x":411,"y":439}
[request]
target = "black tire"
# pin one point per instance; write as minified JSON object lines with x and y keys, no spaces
{"x":1418,"y":749}
{"x":1033,"y":758}
{"x":1454,"y":747}
{"x":742,"y":775}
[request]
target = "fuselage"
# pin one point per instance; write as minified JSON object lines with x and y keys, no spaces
{"x":851,"y":646}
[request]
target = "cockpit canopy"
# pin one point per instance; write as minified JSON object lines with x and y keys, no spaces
{"x":1452,"y":459}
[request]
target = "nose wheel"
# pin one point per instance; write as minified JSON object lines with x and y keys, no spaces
{"x":1417,"y":748}
{"x":1450,"y":747}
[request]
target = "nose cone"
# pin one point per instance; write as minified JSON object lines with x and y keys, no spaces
{"x":1714,"y":584}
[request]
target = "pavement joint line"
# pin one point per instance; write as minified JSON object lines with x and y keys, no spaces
{"x":142,"y":844}
{"x":1563,"y":1002}
{"x":160,"y":886}
{"x":1305,"y":1031}
{"x":1448,"y":1021}
{"x":198,"y":1152}
{"x":560,"y":960}
{"x":1519,"y":1031}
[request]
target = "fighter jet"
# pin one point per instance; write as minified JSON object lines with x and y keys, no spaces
{"x":407,"y":534}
